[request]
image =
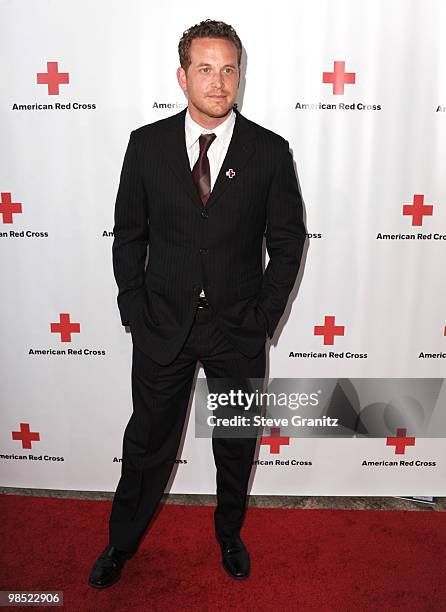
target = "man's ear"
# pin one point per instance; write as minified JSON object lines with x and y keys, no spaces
{"x":181,"y":76}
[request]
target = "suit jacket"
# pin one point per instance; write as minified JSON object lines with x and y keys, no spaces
{"x":217,"y":247}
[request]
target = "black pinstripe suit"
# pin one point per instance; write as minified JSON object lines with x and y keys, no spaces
{"x":217,"y":248}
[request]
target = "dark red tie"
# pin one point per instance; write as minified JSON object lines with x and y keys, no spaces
{"x":201,"y":172}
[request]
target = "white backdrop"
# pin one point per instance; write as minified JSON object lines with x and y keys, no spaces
{"x":361,"y":156}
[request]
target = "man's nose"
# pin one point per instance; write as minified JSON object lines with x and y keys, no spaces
{"x":218,"y":80}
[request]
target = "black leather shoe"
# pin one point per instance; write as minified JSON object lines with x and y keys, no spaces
{"x":235,"y":558}
{"x":107,"y":568}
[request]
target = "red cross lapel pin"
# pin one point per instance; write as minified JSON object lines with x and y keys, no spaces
{"x":230,"y":173}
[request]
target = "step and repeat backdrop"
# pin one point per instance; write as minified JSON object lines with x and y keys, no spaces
{"x":359,"y":91}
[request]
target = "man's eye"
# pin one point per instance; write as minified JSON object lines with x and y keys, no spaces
{"x":229,"y":70}
{"x":205,"y":70}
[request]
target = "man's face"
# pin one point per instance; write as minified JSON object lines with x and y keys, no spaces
{"x":211,"y":80}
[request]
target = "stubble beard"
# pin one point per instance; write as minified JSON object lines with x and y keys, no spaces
{"x":214,"y":110}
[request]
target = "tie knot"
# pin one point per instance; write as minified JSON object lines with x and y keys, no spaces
{"x":205,"y":142}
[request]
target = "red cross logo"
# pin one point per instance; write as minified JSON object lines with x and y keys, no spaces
{"x":418,"y":209}
{"x":400,"y":442}
{"x":275,"y":440}
{"x":339,"y":78}
{"x":26,"y":436}
{"x":230,"y":173}
{"x":329,"y":330}
{"x":65,"y":328}
{"x":53,"y":78}
{"x":8,"y":208}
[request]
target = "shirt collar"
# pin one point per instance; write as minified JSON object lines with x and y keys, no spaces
{"x":223,"y":132}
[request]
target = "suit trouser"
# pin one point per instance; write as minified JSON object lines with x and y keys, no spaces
{"x":161,"y":397}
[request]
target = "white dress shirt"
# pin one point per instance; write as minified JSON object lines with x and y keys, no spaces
{"x":218,"y":149}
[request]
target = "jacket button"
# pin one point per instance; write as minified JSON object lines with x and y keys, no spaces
{"x":204,"y":214}
{"x":203,"y":251}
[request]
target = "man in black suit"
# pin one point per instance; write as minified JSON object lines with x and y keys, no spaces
{"x":200,"y":189}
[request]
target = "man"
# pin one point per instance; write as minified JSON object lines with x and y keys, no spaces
{"x":199,"y":189}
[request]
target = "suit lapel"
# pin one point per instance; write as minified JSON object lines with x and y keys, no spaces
{"x":239,"y":152}
{"x":174,"y":149}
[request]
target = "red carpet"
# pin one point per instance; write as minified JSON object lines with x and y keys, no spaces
{"x":337,"y":560}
